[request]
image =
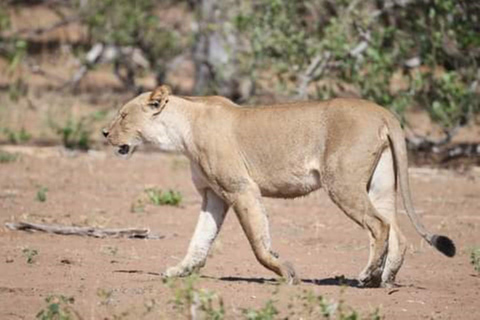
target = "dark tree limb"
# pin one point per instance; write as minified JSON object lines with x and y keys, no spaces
{"x":84,"y":231}
{"x":421,"y":143}
{"x":461,"y":150}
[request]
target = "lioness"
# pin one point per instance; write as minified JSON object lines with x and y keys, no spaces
{"x":353,"y":148}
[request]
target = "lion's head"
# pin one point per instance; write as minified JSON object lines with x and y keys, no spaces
{"x":130,"y":126}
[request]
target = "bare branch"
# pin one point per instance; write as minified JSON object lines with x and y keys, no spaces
{"x":462,"y":150}
{"x":314,"y":70}
{"x":83,"y":231}
{"x":390,"y":5}
{"x":420,"y":143}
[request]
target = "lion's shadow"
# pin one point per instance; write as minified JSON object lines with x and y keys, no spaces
{"x":335,"y":281}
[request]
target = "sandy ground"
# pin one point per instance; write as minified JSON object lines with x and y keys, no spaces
{"x":119,"y":278}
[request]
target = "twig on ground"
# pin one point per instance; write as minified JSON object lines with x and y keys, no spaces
{"x":84,"y":231}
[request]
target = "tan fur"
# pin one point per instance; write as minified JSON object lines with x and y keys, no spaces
{"x":238,"y":155}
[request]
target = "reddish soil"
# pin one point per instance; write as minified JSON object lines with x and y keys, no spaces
{"x":97,"y":189}
{"x":119,"y":278}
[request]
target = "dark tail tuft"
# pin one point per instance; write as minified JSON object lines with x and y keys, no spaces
{"x":444,"y":245}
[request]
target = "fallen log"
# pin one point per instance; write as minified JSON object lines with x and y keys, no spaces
{"x":131,"y":233}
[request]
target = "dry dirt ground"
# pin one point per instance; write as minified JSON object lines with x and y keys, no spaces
{"x":119,"y":278}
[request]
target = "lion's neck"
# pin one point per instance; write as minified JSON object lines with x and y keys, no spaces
{"x":171,"y":132}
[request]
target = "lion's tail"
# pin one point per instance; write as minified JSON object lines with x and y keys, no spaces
{"x":397,"y":142}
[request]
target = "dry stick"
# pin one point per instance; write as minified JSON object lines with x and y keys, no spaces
{"x":84,"y":231}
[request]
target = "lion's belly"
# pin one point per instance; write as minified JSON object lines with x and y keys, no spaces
{"x":290,"y":184}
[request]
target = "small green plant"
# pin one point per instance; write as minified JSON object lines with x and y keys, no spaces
{"x":190,"y":301}
{"x":6,"y":157}
{"x":159,"y":197}
{"x":138,"y":205}
{"x":309,"y":305}
{"x":58,"y":307}
{"x":16,"y":137}
{"x":105,"y":296}
{"x":30,"y":254}
{"x":42,"y":194}
{"x":475,"y":258}
{"x":110,"y":250}
{"x":268,"y":312}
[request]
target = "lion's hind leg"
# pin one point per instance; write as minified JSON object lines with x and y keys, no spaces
{"x":353,"y":200}
{"x":382,"y":193}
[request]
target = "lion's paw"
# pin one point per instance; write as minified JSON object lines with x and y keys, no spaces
{"x":289,"y":274}
{"x":177,"y":271}
{"x":371,"y":280}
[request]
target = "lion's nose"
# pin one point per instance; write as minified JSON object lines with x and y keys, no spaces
{"x":105,"y":132}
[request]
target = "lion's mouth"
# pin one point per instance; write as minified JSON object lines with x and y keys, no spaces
{"x":125,"y":150}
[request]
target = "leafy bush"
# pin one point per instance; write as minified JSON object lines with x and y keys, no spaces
{"x":133,"y":23}
{"x":360,"y":46}
{"x":75,"y":134}
{"x":17,"y":137}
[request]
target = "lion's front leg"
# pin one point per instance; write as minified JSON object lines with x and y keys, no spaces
{"x":209,"y":223}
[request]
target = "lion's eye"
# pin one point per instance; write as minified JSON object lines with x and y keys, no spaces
{"x":123,"y":115}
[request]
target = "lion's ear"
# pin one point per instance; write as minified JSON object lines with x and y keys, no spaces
{"x":159,"y":98}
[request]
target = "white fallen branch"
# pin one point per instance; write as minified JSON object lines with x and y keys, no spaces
{"x":83,"y":231}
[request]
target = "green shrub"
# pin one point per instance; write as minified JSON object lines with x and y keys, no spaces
{"x":363,"y":46}
{"x":134,"y":23}
{"x":75,"y":134}
{"x":16,"y":137}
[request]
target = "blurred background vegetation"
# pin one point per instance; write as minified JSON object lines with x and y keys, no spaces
{"x":408,"y":56}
